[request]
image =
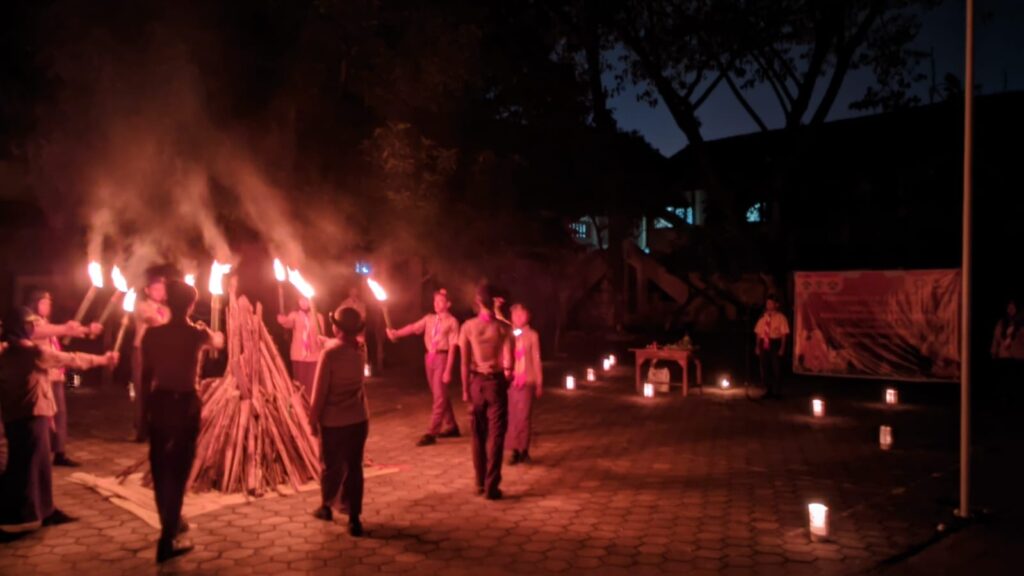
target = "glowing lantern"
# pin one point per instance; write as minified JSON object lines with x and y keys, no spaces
{"x":366,"y":371}
{"x":612,"y":360}
{"x":725,"y":384}
{"x":591,"y":375}
{"x":570,"y":382}
{"x":648,"y":390}
{"x":818,"y":518}
{"x":885,"y":437}
{"x":892,"y":396}
{"x":606,"y":364}
{"x":818,"y":407}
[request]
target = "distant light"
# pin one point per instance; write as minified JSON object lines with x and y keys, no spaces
{"x":363,"y":268}
{"x":591,"y":375}
{"x":606,"y":364}
{"x":366,"y":371}
{"x":818,"y":517}
{"x":517,"y":332}
{"x":612,"y":360}
{"x":725,"y":384}
{"x":648,"y":390}
{"x":885,"y":437}
{"x":892,"y":396}
{"x":570,"y":382}
{"x":818,"y":407}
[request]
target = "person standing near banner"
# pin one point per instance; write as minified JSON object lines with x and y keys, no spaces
{"x":306,"y":344}
{"x":170,"y":372}
{"x":772,"y":332}
{"x":441,"y":336}
{"x":46,"y":336}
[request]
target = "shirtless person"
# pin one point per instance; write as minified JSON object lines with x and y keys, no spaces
{"x":486,"y":347}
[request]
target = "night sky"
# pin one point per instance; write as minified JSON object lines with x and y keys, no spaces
{"x":999,"y":52}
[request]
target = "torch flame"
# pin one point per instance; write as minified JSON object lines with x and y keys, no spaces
{"x":378,"y":290}
{"x":119,"y":282}
{"x":279,"y":272}
{"x":300,"y":283}
{"x":190,"y":279}
{"x":129,"y":301}
{"x":96,"y":274}
{"x":217,"y":272}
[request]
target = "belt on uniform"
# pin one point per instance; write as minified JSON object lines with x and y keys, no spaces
{"x":488,"y":374}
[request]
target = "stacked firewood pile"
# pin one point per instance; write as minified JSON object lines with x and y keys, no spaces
{"x":255,"y":433}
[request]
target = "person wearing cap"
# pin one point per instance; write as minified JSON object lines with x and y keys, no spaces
{"x":150,"y":310}
{"x":340,"y":416}
{"x":47,"y":336}
{"x":306,"y":344}
{"x":440,"y":332}
{"x":772,"y":331}
{"x":27,"y":407}
{"x":170,"y":372}
{"x":527,"y":384}
{"x":486,"y":348}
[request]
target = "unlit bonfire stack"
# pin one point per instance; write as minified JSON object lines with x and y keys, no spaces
{"x":255,"y":433}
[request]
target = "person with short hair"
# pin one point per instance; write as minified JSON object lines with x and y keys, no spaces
{"x":150,"y":310}
{"x":486,"y":348}
{"x":306,"y":343}
{"x":171,"y":355}
{"x":27,"y":407}
{"x":527,"y":384}
{"x":340,"y":415}
{"x":441,"y":337}
{"x":772,"y":332}
{"x":47,"y":336}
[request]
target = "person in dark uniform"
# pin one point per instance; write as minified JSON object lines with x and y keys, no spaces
{"x":28,"y":406}
{"x":339,"y":414}
{"x":150,"y":310}
{"x":46,"y":335}
{"x":170,"y":372}
{"x":485,"y":344}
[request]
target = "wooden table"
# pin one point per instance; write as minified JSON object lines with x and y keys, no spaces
{"x":681,"y":357}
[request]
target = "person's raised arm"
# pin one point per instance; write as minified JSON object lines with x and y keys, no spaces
{"x":287,"y":321}
{"x":417,"y":327}
{"x":74,"y":360}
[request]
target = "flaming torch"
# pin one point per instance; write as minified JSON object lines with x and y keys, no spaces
{"x":307,"y":291}
{"x":96,"y":276}
{"x":279,"y":275}
{"x":129,"y":308}
{"x":190,"y":279}
{"x":122,"y":288}
{"x":382,"y":296}
{"x":217,"y":272}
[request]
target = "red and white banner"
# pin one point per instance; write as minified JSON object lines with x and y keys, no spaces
{"x":897,"y":325}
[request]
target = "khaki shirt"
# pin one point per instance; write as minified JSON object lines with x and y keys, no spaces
{"x":339,"y":397}
{"x":25,"y":385}
{"x":45,"y":335}
{"x":487,"y":345}
{"x":306,"y":346}
{"x":528,"y":369}
{"x":772,"y":326}
{"x":440,"y":332}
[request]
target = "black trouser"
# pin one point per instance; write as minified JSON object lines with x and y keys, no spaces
{"x":341,"y":449}
{"x":173,"y":430}
{"x":141,"y":394}
{"x":771,"y":365}
{"x":489,"y":394}
{"x":26,"y":486}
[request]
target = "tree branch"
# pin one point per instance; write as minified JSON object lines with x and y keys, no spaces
{"x":775,"y":88}
{"x":844,"y":56}
{"x":743,"y":102}
{"x":823,"y":40}
{"x":707,"y":91}
{"x":770,"y":72}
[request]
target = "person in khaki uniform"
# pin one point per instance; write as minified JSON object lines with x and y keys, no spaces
{"x":47,"y":336}
{"x":440,"y":332}
{"x":527,"y":384}
{"x":306,"y":342}
{"x":28,"y":406}
{"x":772,"y":332}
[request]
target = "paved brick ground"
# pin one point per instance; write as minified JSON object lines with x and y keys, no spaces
{"x":712,"y":484}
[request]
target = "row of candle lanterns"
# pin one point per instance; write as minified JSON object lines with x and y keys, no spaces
{"x":817,"y":513}
{"x":607,"y":363}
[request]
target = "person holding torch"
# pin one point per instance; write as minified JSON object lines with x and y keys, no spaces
{"x":306,"y":342}
{"x":46,"y":336}
{"x":151,"y":310}
{"x":441,"y":337}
